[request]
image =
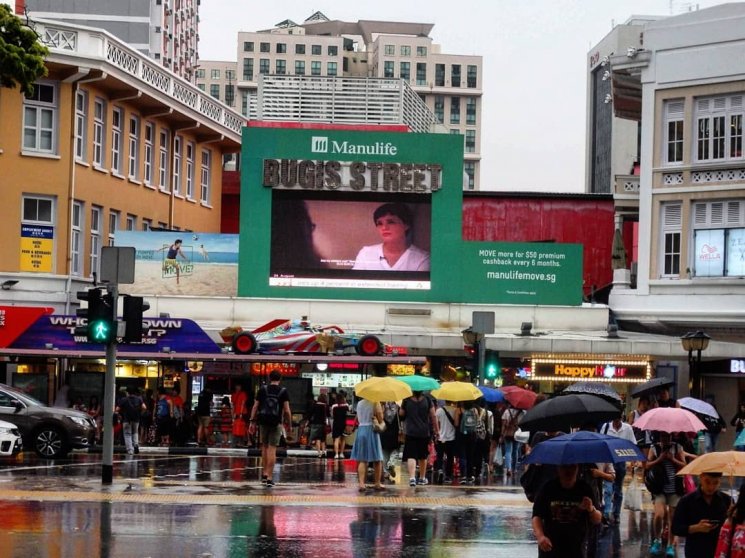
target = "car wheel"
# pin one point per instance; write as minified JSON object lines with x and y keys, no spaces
{"x":369,"y":345}
{"x":244,"y":343}
{"x":50,"y":442}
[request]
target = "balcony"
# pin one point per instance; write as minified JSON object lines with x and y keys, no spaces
{"x":626,"y":191}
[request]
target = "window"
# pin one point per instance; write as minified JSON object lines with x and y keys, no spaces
{"x":421,"y":73}
{"x":149,"y":152}
{"x":76,"y":239}
{"x":390,"y":50}
{"x":333,"y":50}
{"x":440,"y":75}
{"x":281,"y":67}
{"x":134,"y":147}
{"x":40,"y":119}
{"x":470,"y":169}
{"x":201,"y":86}
{"x":116,"y":140}
{"x":131,"y":223}
{"x":95,"y":239}
{"x":281,"y":48}
{"x":190,"y":170}
{"x":81,"y":125}
{"x":471,"y":76}
{"x":299,"y":67}
{"x":264,"y":66}
{"x":147,"y":224}
{"x":215,"y":74}
{"x":719,"y":128}
{"x":440,"y":108}
{"x":405,"y":71}
{"x":215,"y":91}
{"x":471,"y":110}
{"x":455,"y":110}
{"x":331,"y":68}
{"x":299,"y":49}
{"x":671,"y":231}
{"x":200,"y":73}
{"x":316,"y":50}
{"x":99,"y":125}
{"x":455,"y":75}
{"x":37,"y":210}
{"x":176,"y":188}
{"x":719,"y":238}
{"x":264,"y":47}
{"x":248,"y":69}
{"x":470,"y":141}
{"x":230,"y":95}
{"x":230,"y":75}
{"x":248,"y":46}
{"x":113,"y":226}
{"x":315,"y":68}
{"x":204,"y":195}
{"x":405,"y":50}
{"x":388,"y":68}
{"x":163,"y":161}
{"x":421,"y":51}
{"x":674,"y":131}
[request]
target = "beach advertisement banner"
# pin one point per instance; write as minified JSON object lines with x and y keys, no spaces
{"x":182,"y":263}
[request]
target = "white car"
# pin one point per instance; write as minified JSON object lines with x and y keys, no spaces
{"x":10,"y":439}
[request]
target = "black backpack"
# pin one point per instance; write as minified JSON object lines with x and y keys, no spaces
{"x":130,"y":407}
{"x":270,"y":410}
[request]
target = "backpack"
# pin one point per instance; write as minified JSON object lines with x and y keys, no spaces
{"x":130,"y":408}
{"x":510,"y":427}
{"x":481,"y":427}
{"x":161,"y":408}
{"x":469,"y":422}
{"x":270,"y":411}
{"x":390,"y":412}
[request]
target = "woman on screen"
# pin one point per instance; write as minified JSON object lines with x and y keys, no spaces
{"x":396,"y":252}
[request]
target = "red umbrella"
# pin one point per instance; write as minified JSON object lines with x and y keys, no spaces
{"x":518,"y":397}
{"x":669,"y":419}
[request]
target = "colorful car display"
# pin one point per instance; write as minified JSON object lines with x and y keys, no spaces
{"x":299,"y":336}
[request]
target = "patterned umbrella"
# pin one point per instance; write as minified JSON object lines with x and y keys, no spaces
{"x":596,"y":388}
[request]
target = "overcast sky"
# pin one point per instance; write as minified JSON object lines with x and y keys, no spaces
{"x":534,"y":82}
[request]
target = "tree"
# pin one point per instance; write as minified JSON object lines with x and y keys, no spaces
{"x":21,"y":53}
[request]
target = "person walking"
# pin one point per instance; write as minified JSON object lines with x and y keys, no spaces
{"x":613,"y":491}
{"x":448,"y":419}
{"x":510,"y":418}
{"x":130,"y":409}
{"x":239,"y":403}
{"x":339,"y":425}
{"x":319,"y":419}
{"x":367,"y":447}
{"x":731,"y":543}
{"x":272,"y":405}
{"x":389,"y":438}
{"x":699,"y":515}
{"x":418,"y":412}
{"x":163,"y":414}
{"x":204,"y":416}
{"x":738,"y":421}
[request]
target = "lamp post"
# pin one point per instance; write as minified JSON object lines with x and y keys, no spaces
{"x":695,"y":341}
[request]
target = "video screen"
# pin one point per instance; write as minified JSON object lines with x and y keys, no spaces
{"x":350,"y":239}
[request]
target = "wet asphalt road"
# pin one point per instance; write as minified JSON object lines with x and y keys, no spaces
{"x":214,"y":506}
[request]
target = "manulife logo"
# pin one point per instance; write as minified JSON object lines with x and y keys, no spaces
{"x":322,"y":144}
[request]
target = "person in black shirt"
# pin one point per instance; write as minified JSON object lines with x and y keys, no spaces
{"x":561,"y":512}
{"x":700,"y":514}
{"x":664,"y":399}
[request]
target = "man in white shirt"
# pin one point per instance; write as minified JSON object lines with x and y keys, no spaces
{"x":448,"y":417}
{"x":613,"y":490}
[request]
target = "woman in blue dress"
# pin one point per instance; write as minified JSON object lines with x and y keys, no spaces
{"x":367,"y":446}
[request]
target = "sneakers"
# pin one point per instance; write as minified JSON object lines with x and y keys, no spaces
{"x":422,"y":482}
{"x":656,"y":548}
{"x":447,"y":480}
{"x":263,"y":480}
{"x":392,"y":471}
{"x":337,"y":456}
{"x":269,"y":483}
{"x":670,"y":552}
{"x":412,"y":481}
{"x":137,"y":450}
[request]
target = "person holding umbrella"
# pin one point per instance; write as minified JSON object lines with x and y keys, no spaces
{"x":367,"y":447}
{"x":613,"y":490}
{"x":731,"y":543}
{"x":419,"y":413}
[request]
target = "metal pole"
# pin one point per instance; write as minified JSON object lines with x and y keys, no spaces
{"x":107,"y":469}
{"x":482,"y":357}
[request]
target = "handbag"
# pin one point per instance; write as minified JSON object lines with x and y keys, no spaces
{"x":633,"y":499}
{"x":378,"y":426}
{"x":499,"y":456}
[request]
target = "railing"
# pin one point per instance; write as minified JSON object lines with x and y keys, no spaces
{"x":63,"y":38}
{"x":626,"y":185}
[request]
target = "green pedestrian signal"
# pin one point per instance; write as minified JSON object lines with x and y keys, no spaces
{"x":99,"y":316}
{"x":492,"y":369}
{"x":100,"y":331}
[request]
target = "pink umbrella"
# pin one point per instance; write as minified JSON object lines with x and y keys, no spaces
{"x":669,"y":419}
{"x":518,"y":397}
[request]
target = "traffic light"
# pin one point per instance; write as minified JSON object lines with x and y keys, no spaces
{"x":100,"y":316}
{"x":133,"y":308}
{"x":492,"y":369}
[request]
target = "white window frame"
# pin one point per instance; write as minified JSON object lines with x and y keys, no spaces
{"x":95,"y":253}
{"x":149,"y":152}
{"x":35,"y":112}
{"x":715,"y":118}
{"x":81,"y":125}
{"x":164,"y":138}
{"x":134,"y":147}
{"x":470,"y":137}
{"x":671,"y":227}
{"x":99,"y":132}
{"x":117,"y":119}
{"x":190,"y":149}
{"x":389,"y":50}
{"x":147,"y":224}
{"x":76,"y":238}
{"x":131,"y":222}
{"x":176,"y":187}
{"x":114,"y":217}
{"x":206,"y":178}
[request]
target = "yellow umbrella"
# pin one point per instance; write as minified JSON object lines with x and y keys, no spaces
{"x":730,"y":463}
{"x":457,"y":391}
{"x":378,"y":389}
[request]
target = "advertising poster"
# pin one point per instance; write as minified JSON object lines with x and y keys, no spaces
{"x":182,"y":263}
{"x":709,"y":256}
{"x":736,"y":253}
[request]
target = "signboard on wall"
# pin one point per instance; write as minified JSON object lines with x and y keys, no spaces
{"x":37,"y":245}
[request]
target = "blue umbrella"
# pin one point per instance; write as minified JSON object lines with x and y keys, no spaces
{"x":492,"y":395}
{"x":584,"y":447}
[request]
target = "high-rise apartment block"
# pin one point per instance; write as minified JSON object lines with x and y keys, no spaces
{"x":449,"y":84}
{"x":164,"y":30}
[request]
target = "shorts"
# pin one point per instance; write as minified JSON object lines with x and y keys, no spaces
{"x":416,"y":448}
{"x":318,"y":432}
{"x":270,"y":435}
{"x":667,"y":499}
{"x":204,"y":421}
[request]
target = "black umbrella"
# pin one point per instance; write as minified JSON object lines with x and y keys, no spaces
{"x":568,"y":411}
{"x":598,"y":389}
{"x":651,"y":386}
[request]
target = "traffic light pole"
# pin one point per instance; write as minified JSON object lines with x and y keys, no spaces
{"x":107,"y":469}
{"x":482,"y":358}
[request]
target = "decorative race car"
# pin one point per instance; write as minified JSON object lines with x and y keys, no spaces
{"x":299,"y":336}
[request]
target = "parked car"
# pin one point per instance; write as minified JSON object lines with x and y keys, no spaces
{"x":50,"y":431}
{"x":11,"y":442}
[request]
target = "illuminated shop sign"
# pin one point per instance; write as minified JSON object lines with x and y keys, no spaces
{"x":737,"y":366}
{"x":591,"y":370}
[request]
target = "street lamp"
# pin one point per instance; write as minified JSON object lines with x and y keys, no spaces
{"x":695,"y":341}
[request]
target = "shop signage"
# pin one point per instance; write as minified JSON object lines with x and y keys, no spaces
{"x":586,"y":370}
{"x":37,"y":246}
{"x":14,"y":320}
{"x":737,"y":366}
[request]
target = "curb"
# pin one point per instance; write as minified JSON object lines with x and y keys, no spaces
{"x":229,"y":452}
